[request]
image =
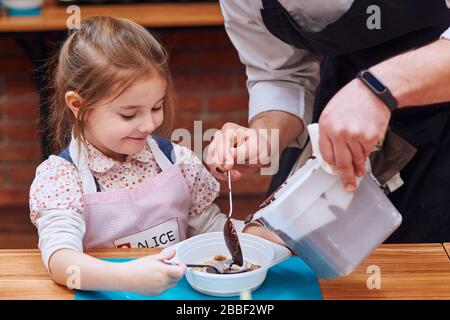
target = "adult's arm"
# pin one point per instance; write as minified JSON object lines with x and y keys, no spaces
{"x":355,"y":119}
{"x":281,"y":79}
{"x":419,"y":77}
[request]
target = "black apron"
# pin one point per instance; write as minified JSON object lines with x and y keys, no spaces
{"x":348,"y":46}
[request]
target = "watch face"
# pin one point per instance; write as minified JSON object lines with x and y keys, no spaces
{"x":377,"y":85}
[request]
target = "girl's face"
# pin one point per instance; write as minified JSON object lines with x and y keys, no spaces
{"x":121,"y":127}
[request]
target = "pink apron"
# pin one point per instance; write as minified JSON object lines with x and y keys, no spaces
{"x":154,"y":214}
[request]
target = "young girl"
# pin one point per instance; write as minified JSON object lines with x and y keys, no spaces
{"x":117,"y":184}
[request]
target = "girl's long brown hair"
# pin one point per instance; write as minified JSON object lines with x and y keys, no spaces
{"x":100,"y":60}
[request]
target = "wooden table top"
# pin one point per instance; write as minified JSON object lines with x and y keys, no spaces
{"x":54,"y":17}
{"x":447,"y":248}
{"x":408,"y":271}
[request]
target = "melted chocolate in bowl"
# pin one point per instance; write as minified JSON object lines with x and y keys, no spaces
{"x":221,"y":262}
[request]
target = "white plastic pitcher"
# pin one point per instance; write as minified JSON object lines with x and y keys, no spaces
{"x":332,"y":230}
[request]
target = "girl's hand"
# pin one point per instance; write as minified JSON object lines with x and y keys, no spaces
{"x":150,"y":275}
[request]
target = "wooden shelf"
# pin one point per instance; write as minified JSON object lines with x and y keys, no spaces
{"x":54,"y":17}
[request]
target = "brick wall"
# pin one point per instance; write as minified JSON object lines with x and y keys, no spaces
{"x":210,"y":82}
{"x":19,"y":146}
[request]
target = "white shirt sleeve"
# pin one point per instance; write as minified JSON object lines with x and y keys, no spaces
{"x":56,"y":206}
{"x":59,"y":229}
{"x":279,"y":76}
{"x":446,"y":34}
{"x":211,"y":220}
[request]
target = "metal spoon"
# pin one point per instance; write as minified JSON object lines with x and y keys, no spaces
{"x":230,"y":234}
{"x":222,"y":268}
{"x":209,"y":268}
{"x":226,"y":267}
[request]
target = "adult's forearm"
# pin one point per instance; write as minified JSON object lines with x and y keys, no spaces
{"x":418,"y":77}
{"x":289,"y":126}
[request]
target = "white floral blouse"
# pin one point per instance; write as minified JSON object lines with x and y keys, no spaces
{"x":57,"y":184}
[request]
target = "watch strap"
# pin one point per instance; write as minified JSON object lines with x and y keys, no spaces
{"x":384,"y":95}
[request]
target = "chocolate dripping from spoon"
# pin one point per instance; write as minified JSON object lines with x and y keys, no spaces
{"x":230,"y":234}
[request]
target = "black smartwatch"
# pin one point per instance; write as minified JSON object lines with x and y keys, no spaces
{"x":378,"y":88}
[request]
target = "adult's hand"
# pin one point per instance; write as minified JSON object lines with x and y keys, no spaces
{"x":355,"y":119}
{"x":244,"y":150}
{"x":350,"y":127}
{"x":237,"y":149}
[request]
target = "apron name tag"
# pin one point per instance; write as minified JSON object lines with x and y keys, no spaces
{"x":162,"y":235}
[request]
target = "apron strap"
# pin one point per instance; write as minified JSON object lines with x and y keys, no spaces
{"x":160,"y":157}
{"x":89,"y":184}
{"x":87,"y":178}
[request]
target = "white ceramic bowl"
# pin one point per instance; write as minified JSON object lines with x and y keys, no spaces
{"x":203,"y":247}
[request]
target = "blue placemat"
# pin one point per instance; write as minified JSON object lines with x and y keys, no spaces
{"x":291,"y":279}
